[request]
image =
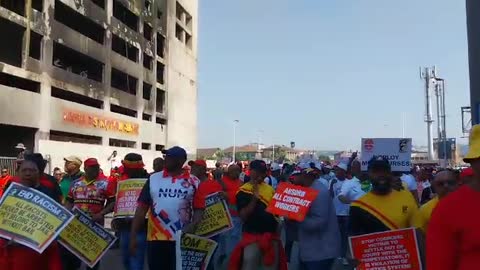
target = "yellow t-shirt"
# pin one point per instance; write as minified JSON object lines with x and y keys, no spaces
{"x":422,"y":217}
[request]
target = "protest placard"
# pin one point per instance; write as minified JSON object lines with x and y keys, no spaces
{"x":196,"y":252}
{"x":216,"y":217}
{"x":292,"y":201}
{"x":86,"y":239}
{"x":397,"y":151}
{"x":387,"y":250}
{"x":30,"y":217}
{"x":128,"y":192}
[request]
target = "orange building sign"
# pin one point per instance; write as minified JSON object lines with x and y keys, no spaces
{"x":99,"y":122}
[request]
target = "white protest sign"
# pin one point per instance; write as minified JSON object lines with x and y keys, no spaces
{"x":397,"y":151}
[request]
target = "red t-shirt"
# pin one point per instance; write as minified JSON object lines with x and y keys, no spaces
{"x":205,"y":188}
{"x":453,"y":235}
{"x":91,"y":196}
{"x":231,"y":188}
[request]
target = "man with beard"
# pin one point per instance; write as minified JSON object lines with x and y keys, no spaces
{"x":383,"y":208}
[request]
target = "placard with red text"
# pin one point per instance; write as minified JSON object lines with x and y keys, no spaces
{"x":292,"y":201}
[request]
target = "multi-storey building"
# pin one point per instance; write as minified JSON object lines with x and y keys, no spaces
{"x":87,"y":77}
{"x":473,"y":26}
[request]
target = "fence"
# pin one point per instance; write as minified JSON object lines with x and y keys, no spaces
{"x":9,"y":163}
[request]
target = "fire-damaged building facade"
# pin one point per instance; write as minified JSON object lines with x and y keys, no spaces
{"x":86,"y":77}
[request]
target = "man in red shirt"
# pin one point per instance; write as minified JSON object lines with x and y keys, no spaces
{"x":92,"y":195}
{"x":4,"y":180}
{"x":452,"y":235}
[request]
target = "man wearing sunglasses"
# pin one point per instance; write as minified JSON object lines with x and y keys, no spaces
{"x":444,"y":182}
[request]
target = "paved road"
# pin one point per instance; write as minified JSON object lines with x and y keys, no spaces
{"x":112,"y":261}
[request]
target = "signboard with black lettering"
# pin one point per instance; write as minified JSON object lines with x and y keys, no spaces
{"x":31,"y":218}
{"x":196,"y":252}
{"x":397,"y":151}
{"x":216,"y":217}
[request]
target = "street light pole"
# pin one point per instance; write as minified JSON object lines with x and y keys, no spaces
{"x":235,"y":122}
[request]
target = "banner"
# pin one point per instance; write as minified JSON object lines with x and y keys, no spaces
{"x":196,"y":252}
{"x":86,"y":239}
{"x":387,"y":250}
{"x":397,"y":151}
{"x":128,"y":192}
{"x":30,"y":217}
{"x":216,"y":217}
{"x":292,"y":201}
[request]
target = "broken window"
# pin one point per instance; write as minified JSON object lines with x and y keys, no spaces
{"x":160,"y":102}
{"x":160,"y":72}
{"x":17,"y":6}
{"x":161,"y":121}
{"x":146,"y":146}
{"x":183,"y":15}
{"x":62,"y":136}
{"x":121,"y":143}
{"x":123,"y":110}
{"x":123,"y":81}
{"x":147,"y":91}
{"x":147,"y":31}
{"x":179,"y":32}
{"x":124,"y":48}
{"x":100,"y":3}
{"x":160,"y":45}
{"x":37,"y":5}
{"x":77,"y":63}
{"x":11,"y":47}
{"x":19,"y":83}
{"x":159,"y":147}
{"x":147,"y":61}
{"x":77,"y":98}
{"x":146,"y":117}
{"x":35,"y":50}
{"x":125,"y":15}
{"x":76,"y":21}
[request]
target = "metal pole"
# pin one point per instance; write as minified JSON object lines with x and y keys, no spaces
{"x":444,"y":122}
{"x":426,"y":74}
{"x":439,"y":122}
{"x":273,"y":153}
{"x":234,"y":139}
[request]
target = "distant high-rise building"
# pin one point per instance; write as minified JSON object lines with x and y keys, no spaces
{"x":473,"y":26}
{"x":92,"y":76}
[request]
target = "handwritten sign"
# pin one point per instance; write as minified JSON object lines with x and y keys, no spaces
{"x":196,"y":252}
{"x":216,"y":218}
{"x":292,"y":201}
{"x":86,"y":239}
{"x":387,"y":250}
{"x":30,"y":217}
{"x":100,"y":122}
{"x":128,"y":192}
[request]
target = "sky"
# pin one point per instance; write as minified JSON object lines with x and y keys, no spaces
{"x":325,"y":73}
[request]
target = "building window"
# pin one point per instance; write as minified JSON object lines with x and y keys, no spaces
{"x":161,"y":121}
{"x":159,"y":147}
{"x":121,"y":143}
{"x":123,"y":81}
{"x":147,"y":31}
{"x":160,"y":45}
{"x":35,"y":50}
{"x":19,"y":83}
{"x":146,"y":117}
{"x":147,"y":91}
{"x":77,"y":63}
{"x":124,"y":48}
{"x":160,"y":102}
{"x":37,"y":5}
{"x":123,"y":110}
{"x":146,"y":146}
{"x":11,"y":47}
{"x":147,"y":61}
{"x":183,"y":26}
{"x":123,"y":14}
{"x":74,"y":97}
{"x":17,"y":6}
{"x":61,"y":136}
{"x":160,"y":73}
{"x":100,"y":3}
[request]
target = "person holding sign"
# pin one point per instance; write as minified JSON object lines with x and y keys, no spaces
{"x":383,"y":208}
{"x":91,"y":194}
{"x":260,"y":247}
{"x":133,"y":169}
{"x":318,"y":233}
{"x":16,"y":257}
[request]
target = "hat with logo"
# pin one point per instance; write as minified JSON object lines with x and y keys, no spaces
{"x":474,"y":145}
{"x":90,"y":162}
{"x":176,"y":151}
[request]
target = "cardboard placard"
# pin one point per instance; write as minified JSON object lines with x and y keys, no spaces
{"x":292,"y":201}
{"x":86,"y":239}
{"x":387,"y":250}
{"x":216,"y":217}
{"x":31,"y":218}
{"x":128,"y":192}
{"x":397,"y":151}
{"x":195,"y":251}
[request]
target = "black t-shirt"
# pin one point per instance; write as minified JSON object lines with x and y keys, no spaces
{"x":260,"y":221}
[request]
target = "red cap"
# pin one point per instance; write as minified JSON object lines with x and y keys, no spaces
{"x":91,"y":162}
{"x":198,"y":162}
{"x":467,"y":172}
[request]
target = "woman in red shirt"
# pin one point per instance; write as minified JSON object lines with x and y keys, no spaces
{"x":453,"y":235}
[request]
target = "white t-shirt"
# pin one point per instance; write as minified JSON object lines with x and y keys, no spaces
{"x":352,"y":189}
{"x":410,"y":181}
{"x":323,"y":181}
{"x":341,"y":209}
{"x":115,"y":162}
